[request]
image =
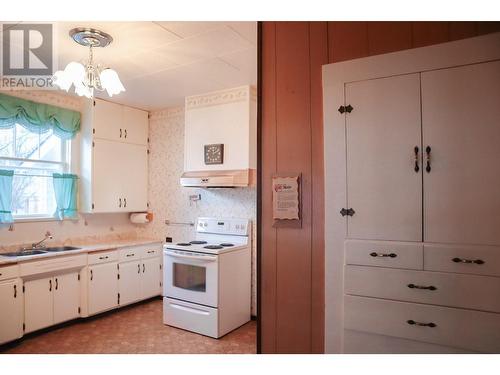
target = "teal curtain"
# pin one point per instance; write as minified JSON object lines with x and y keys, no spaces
{"x":65,"y":189}
{"x":38,"y":117}
{"x":6,"y":177}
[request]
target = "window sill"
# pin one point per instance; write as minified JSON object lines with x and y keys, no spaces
{"x":34,"y":219}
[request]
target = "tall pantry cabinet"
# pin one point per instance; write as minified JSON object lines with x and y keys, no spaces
{"x":114,"y":158}
{"x":420,"y":209}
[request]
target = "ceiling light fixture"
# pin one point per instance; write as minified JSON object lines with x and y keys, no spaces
{"x":89,"y":76}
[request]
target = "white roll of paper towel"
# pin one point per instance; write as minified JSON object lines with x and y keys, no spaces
{"x":140,"y":218}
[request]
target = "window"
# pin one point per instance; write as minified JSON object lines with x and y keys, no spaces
{"x":33,"y":157}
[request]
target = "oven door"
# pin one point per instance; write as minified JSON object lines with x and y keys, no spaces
{"x":190,"y":276}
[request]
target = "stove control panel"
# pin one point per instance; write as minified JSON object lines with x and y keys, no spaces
{"x":223,"y":226}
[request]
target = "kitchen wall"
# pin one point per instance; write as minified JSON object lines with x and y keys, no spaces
{"x":292,"y":260}
{"x":88,"y":227}
{"x":169,"y":201}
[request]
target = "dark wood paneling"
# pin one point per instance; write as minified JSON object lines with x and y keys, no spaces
{"x":384,"y":37}
{"x":462,"y":29}
{"x":318,"y":57}
{"x":347,"y":40}
{"x":487,"y":27}
{"x":268,"y":168}
{"x":427,"y":33}
{"x":293,"y":321}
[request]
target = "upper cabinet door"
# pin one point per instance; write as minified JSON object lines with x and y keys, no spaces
{"x":383,"y":186}
{"x":133,"y":177}
{"x":461,"y":124}
{"x":135,"y":126}
{"x":108,"y":120}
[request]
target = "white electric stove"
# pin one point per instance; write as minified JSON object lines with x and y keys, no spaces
{"x":207,"y":280}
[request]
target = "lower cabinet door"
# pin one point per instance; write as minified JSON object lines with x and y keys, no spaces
{"x":151,"y":277}
{"x":129,"y":284}
{"x":102,"y":287}
{"x":38,"y":304}
{"x":11,"y":311}
{"x":66,"y":297}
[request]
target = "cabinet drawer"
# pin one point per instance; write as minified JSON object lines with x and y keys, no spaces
{"x":473,"y":330}
{"x":129,"y":253}
{"x":384,"y":254}
{"x":151,"y":251}
{"x":51,"y":265}
{"x":103,"y":257}
{"x":479,"y":260}
{"x":9,"y":272}
{"x":445,"y":289}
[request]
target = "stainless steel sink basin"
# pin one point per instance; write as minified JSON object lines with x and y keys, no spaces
{"x":23,"y":253}
{"x":60,"y":248}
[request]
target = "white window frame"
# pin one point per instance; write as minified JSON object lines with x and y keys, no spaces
{"x":65,"y":164}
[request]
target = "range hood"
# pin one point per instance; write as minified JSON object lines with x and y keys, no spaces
{"x":220,"y":139}
{"x":219,"y":179}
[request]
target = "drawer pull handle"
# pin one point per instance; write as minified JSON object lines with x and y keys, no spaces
{"x":430,"y":287}
{"x":384,"y":255}
{"x":414,"y":323}
{"x":15,"y":291}
{"x":151,"y":251}
{"x":91,"y":275}
{"x":106,"y":257}
{"x":469,"y":261}
{"x":130,"y":255}
{"x":138,"y":268}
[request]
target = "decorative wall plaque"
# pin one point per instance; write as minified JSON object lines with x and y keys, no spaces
{"x":286,"y":198}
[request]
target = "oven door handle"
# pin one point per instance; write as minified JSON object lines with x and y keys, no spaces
{"x":203,"y":258}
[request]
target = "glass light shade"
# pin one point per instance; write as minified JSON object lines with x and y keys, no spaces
{"x":74,"y":73}
{"x":111,"y":82}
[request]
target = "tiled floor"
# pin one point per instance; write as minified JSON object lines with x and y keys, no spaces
{"x":133,"y":329}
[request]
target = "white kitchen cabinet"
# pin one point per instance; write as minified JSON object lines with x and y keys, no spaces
{"x":151,"y":277}
{"x":461,"y":200}
{"x":102,"y":287}
{"x":66,"y":294}
{"x":38,"y":304}
{"x":107,"y":120}
{"x":129,"y":283}
{"x":120,"y":177}
{"x":114,"y":159}
{"x":135,"y":126}
{"x":116,"y":122}
{"x":51,"y":300}
{"x":383,"y":186}
{"x":436,"y":234}
{"x":11,"y":312}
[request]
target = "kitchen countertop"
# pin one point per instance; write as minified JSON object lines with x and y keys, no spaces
{"x":89,"y":248}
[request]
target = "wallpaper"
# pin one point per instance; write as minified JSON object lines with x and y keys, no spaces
{"x":170,"y":201}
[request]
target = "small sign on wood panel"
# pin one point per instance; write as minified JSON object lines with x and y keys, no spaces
{"x":286,"y":200}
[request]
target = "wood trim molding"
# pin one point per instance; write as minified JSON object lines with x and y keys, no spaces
{"x":462,"y":52}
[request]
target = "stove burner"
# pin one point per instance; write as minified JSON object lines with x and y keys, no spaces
{"x":198,"y":242}
{"x":227,"y":244}
{"x":212,"y":247}
{"x":183,"y":244}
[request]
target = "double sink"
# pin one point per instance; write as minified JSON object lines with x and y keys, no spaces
{"x":45,"y":250}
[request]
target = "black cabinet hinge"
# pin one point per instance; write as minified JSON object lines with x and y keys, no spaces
{"x":118,"y":276}
{"x":94,"y":103}
{"x":93,"y":144}
{"x":118,"y":298}
{"x":148,"y":152}
{"x":93,"y":205}
{"x":347,"y":211}
{"x":346,"y":108}
{"x":24,"y":327}
{"x":79,"y":310}
{"x":24,"y":288}
{"x":78,"y":277}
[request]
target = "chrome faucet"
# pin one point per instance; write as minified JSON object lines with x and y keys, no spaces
{"x":48,"y":236}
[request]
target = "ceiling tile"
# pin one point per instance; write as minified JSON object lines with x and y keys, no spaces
{"x":247,"y":30}
{"x":209,"y":45}
{"x":246,"y":62}
{"x":187,"y":29}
